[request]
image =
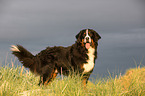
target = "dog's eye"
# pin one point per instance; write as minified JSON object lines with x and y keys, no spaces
{"x":84,"y":34}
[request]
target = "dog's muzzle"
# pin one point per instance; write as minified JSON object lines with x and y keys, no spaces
{"x":87,"y":41}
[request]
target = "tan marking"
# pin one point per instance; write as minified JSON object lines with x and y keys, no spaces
{"x":93,"y":44}
{"x":82,"y":43}
{"x":84,"y":82}
{"x":52,"y":77}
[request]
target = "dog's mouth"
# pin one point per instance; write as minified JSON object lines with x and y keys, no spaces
{"x":87,"y":45}
{"x":87,"y":42}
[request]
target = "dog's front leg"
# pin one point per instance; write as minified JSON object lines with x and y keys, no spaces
{"x":85,"y":78}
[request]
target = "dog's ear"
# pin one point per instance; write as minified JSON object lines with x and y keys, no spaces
{"x":98,"y":36}
{"x":78,"y":35}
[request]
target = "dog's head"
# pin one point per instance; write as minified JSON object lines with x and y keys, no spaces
{"x":88,"y":38}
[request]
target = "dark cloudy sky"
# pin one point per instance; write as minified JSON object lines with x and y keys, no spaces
{"x":36,"y":24}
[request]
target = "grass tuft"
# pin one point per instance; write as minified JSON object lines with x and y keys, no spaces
{"x":17,"y":81}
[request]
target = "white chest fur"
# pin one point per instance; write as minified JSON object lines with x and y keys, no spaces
{"x":90,"y":62}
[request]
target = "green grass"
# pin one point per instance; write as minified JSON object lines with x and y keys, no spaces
{"x":20,"y":82}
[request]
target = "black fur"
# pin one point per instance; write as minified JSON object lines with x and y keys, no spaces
{"x":53,"y":60}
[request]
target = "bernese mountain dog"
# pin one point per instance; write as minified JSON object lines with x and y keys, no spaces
{"x":78,"y":58}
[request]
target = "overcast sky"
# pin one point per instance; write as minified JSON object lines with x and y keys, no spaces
{"x":36,"y":24}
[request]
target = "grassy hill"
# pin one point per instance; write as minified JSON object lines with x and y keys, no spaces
{"x":19,"y":82}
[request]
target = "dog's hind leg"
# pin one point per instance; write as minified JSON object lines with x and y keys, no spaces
{"x":52,"y":77}
{"x":45,"y":73}
{"x":48,"y":75}
{"x":40,"y":81}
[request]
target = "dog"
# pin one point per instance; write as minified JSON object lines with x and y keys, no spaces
{"x":78,"y":58}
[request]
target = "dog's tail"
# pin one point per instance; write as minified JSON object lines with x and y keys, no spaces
{"x":24,"y":56}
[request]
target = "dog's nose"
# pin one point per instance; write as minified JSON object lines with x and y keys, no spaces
{"x":87,"y":38}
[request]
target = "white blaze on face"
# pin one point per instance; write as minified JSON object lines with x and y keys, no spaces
{"x":87,"y":36}
{"x":87,"y":45}
{"x":87,"y":33}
